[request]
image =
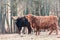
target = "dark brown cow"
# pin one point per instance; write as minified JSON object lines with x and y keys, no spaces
{"x":43,"y":22}
{"x":22,"y":22}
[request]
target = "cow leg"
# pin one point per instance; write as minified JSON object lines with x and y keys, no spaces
{"x":56,"y":29}
{"x":24,"y":30}
{"x":19,"y":30}
{"x":56,"y":32}
{"x":51,"y":31}
{"x":29,"y":30}
{"x":38,"y":32}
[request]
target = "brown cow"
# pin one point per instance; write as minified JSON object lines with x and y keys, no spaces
{"x":43,"y":22}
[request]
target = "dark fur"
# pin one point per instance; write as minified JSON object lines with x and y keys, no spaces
{"x":23,"y":22}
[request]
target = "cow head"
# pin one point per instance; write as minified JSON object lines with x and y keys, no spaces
{"x":31,"y":19}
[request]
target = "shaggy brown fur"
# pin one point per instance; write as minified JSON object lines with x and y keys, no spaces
{"x":43,"y":22}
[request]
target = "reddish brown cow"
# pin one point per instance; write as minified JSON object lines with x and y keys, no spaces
{"x":43,"y":22}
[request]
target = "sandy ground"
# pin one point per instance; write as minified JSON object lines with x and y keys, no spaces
{"x":42,"y":36}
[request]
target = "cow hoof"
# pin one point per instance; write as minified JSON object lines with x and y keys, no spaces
{"x":29,"y":33}
{"x":38,"y":33}
{"x":49,"y":34}
{"x":23,"y":33}
{"x":56,"y":34}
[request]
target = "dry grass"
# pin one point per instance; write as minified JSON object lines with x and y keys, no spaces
{"x":42,"y":36}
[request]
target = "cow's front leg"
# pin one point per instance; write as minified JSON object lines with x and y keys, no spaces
{"x":19,"y":30}
{"x":29,"y":30}
{"x":37,"y":32}
{"x":35,"y":29}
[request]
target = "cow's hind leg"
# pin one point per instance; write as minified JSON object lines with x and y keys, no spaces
{"x":56,"y":32}
{"x":52,"y":27}
{"x":51,"y":31}
{"x":36,"y":32}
